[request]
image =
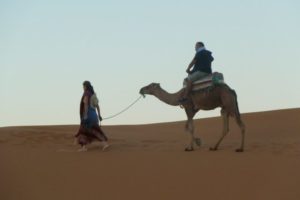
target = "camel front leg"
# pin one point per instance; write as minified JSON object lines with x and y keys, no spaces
{"x":190,"y":129}
{"x":225,"y":117}
{"x":190,"y":112}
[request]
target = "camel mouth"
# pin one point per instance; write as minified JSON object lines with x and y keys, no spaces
{"x":142,"y":93}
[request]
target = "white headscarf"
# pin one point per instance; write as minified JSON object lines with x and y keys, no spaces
{"x":200,"y":49}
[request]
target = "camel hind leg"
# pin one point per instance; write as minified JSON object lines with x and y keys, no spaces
{"x":243,"y":129}
{"x":225,"y":117}
{"x":234,"y":111}
{"x":240,"y":123}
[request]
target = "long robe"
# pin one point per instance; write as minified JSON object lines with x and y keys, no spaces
{"x":86,"y":132}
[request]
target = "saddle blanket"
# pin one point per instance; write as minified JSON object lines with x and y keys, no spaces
{"x":210,"y":80}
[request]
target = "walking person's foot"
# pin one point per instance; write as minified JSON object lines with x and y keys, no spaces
{"x":82,"y":149}
{"x":105,"y":146}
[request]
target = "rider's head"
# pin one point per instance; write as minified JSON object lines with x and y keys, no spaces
{"x":199,"y":45}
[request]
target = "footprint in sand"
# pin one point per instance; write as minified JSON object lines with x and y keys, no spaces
{"x":152,"y":141}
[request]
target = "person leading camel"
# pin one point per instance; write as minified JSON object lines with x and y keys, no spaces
{"x":89,"y":127}
{"x":199,"y":68}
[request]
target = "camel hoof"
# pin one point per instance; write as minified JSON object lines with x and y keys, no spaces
{"x":213,"y":149}
{"x":189,"y":149}
{"x":239,"y":150}
{"x":198,"y":142}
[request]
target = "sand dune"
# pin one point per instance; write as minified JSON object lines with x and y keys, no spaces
{"x":148,"y":162}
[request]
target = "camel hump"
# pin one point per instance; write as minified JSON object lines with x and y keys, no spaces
{"x":213,"y":79}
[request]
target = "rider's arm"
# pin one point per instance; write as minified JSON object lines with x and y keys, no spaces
{"x":191,"y":65}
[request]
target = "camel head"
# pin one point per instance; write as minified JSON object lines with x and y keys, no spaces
{"x":150,"y":89}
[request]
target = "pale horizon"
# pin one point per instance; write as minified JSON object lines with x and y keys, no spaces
{"x":49,"y":48}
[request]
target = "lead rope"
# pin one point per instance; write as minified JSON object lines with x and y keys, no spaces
{"x":124,"y":109}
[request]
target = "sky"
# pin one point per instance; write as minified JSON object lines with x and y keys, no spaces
{"x":48,"y":48}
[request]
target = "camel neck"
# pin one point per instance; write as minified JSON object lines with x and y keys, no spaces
{"x":171,"y":99}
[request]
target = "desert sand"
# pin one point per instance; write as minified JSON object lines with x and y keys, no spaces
{"x":148,"y":162}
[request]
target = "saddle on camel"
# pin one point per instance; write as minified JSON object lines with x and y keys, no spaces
{"x":207,"y":82}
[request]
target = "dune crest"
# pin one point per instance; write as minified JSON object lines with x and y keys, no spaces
{"x":149,"y":162}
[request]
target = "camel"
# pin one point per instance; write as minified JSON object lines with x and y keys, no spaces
{"x":220,"y":95}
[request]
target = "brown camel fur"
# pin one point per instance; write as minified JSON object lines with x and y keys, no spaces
{"x":206,"y":99}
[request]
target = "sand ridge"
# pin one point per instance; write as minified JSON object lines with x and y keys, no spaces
{"x":148,"y":161}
